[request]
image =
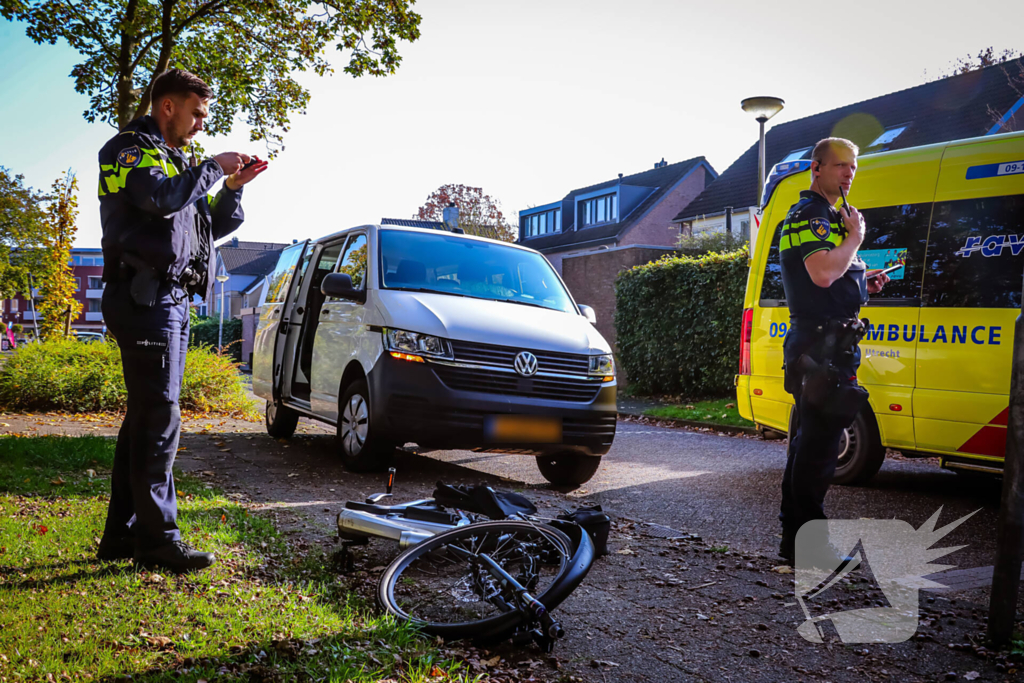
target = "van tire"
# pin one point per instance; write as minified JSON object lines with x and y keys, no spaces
{"x":281,"y":420}
{"x":861,"y":452}
{"x":568,"y":468}
{"x":360,"y":447}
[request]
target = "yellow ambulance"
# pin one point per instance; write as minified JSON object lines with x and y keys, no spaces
{"x":936,"y":358}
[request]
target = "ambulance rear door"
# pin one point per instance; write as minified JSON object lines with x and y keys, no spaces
{"x":971,"y":296}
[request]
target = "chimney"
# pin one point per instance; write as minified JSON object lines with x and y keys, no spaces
{"x":620,"y":179}
{"x":661,"y":164}
{"x":450,"y":216}
{"x":234,"y":243}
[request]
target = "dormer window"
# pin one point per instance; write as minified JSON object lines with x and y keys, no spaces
{"x":600,"y":210}
{"x":542,"y":223}
{"x":883,"y":141}
{"x":796,"y":155}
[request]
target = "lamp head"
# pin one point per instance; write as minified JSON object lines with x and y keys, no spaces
{"x":763,"y":108}
{"x":222,"y":278}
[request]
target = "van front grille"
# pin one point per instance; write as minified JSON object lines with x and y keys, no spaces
{"x":547,"y":361}
{"x":581,"y":390}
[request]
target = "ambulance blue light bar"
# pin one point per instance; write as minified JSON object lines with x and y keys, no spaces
{"x":780,"y":171}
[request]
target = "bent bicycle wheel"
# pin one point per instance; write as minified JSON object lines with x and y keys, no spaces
{"x":444,"y":595}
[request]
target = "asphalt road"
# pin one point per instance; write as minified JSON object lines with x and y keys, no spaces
{"x":727,"y":489}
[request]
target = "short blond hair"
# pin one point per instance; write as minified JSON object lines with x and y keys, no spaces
{"x":824,"y":146}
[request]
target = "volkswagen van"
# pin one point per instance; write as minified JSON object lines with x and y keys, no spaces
{"x":936,"y":358}
{"x":397,"y":335}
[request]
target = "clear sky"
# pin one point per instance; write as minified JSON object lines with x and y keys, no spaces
{"x":526,"y":99}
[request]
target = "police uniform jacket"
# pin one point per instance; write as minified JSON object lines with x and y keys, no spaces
{"x":814,"y":225}
{"x":155,"y":206}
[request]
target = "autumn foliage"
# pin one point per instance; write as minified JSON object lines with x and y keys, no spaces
{"x":56,"y":281}
{"x":479,"y":213}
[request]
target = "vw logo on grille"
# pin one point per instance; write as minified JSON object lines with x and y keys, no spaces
{"x":526,"y":363}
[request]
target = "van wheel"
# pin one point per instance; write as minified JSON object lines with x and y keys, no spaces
{"x":281,"y":420}
{"x":861,"y":452}
{"x":362,"y":449}
{"x":569,"y":468}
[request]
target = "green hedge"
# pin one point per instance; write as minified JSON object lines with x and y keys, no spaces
{"x":74,"y":376}
{"x":678,"y":323}
{"x":204,"y":333}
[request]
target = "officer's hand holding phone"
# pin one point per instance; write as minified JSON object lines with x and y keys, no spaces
{"x":231,"y":162}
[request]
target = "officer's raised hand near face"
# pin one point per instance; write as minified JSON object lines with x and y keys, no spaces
{"x":854,"y":223}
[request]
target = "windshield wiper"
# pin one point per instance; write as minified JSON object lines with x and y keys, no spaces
{"x":526,"y":303}
{"x":427,"y":291}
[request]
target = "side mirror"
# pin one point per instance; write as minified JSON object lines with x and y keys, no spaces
{"x":340,"y":285}
{"x":588,"y":313}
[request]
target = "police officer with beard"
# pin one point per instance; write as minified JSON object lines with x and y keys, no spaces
{"x":159,"y":226}
{"x":826,"y":283}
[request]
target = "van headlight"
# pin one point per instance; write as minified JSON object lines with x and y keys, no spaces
{"x":603,"y":366}
{"x":418,"y":344}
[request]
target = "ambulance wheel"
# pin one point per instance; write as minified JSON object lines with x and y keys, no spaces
{"x":861,"y":452}
{"x":362,"y":449}
{"x":568,"y":468}
{"x":281,"y":420}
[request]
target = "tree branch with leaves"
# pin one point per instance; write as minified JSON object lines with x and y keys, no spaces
{"x":248,"y":51}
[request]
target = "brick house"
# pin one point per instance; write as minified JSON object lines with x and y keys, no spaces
{"x":633,"y":210}
{"x":981,"y":102}
{"x":247,"y":265}
{"x":87,"y":269}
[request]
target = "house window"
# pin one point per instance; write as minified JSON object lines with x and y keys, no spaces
{"x":78,"y":284}
{"x":601,"y":210}
{"x":542,"y":223}
{"x":95,"y":305}
{"x":95,"y":282}
{"x":14,"y":305}
{"x":796,"y":155}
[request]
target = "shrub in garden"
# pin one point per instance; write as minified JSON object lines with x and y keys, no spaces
{"x":204,"y":333}
{"x":678,"y":321}
{"x":69,"y":375}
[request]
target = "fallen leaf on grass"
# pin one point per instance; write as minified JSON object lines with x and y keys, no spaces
{"x":160,"y":641}
{"x":155,"y":578}
{"x":91,"y":473}
{"x":625,"y":551}
{"x":971,"y":675}
{"x":59,"y":481}
{"x":783,"y":569}
{"x":493,"y":661}
{"x":293,"y":474}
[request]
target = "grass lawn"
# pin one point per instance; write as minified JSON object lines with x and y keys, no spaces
{"x":719,"y":412}
{"x":258,"y":614}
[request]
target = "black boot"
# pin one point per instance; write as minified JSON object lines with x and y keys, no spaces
{"x":115,"y":548}
{"x":177,"y":557}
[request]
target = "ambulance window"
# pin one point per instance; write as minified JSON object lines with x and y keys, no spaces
{"x":897,"y":235}
{"x":772,"y":293}
{"x":975,"y":257}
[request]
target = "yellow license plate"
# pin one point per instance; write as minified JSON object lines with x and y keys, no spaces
{"x":523,"y":429}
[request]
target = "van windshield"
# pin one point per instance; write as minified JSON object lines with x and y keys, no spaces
{"x":448,"y":264}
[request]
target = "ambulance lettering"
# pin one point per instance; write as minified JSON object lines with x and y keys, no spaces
{"x":993,"y":245}
{"x":957,"y":334}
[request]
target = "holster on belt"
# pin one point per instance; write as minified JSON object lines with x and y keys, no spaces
{"x":822,"y":384}
{"x":144,"y":283}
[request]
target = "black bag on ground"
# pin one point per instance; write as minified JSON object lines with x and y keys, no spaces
{"x":483,"y":500}
{"x":595,"y":522}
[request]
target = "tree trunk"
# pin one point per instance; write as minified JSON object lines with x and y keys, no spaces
{"x":166,"y":47}
{"x":125,"y":83}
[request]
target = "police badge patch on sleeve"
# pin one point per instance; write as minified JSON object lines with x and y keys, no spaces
{"x":821,"y":228}
{"x":130,"y":157}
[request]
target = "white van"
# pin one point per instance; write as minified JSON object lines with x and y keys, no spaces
{"x":399,"y":335}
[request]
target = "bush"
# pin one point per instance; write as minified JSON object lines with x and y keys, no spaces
{"x":678,"y":323}
{"x":17,"y":328}
{"x":72,"y":376}
{"x":708,"y":241}
{"x":204,"y":333}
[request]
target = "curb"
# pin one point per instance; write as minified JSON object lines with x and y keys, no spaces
{"x":679,"y":422}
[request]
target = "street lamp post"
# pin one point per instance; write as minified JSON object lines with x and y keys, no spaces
{"x":763,"y":108}
{"x":220,"y":331}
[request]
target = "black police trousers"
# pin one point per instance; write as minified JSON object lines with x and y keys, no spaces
{"x":813,"y":447}
{"x":153,"y":341}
